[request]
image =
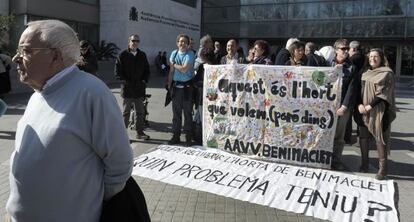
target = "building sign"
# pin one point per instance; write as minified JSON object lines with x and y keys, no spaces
{"x":134,"y":15}
{"x":158,"y":23}
{"x":277,"y":113}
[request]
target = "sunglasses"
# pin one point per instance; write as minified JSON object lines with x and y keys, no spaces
{"x":135,"y":40}
{"x":344,"y":48}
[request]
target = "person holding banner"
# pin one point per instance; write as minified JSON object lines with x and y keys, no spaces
{"x":377,"y":106}
{"x":261,"y":53}
{"x":180,"y":82}
{"x":297,"y":54}
{"x":232,"y":56}
{"x":342,"y":61}
{"x":207,"y":55}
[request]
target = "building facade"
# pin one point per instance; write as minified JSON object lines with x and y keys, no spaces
{"x":157,"y":23}
{"x":81,"y":15}
{"x":388,"y":24}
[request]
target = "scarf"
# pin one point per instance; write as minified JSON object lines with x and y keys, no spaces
{"x":379,"y":83}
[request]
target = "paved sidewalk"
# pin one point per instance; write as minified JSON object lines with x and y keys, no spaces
{"x":173,"y":203}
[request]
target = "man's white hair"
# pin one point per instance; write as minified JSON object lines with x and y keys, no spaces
{"x":204,"y":40}
{"x":59,"y":35}
{"x":290,"y":41}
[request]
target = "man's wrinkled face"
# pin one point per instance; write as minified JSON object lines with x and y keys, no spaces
{"x":34,"y":59}
{"x":231,"y":47}
{"x":342,"y":52}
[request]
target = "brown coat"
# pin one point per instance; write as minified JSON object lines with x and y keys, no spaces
{"x":379,"y":83}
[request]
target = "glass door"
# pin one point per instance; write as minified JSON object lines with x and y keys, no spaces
{"x":407,"y":63}
{"x":391,"y":53}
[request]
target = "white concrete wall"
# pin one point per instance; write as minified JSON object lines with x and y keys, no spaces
{"x":116,"y":27}
{"x":4,"y":7}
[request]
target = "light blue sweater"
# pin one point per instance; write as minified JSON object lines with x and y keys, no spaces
{"x":71,"y":149}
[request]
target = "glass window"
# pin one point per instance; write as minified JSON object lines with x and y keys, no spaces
{"x":92,"y":2}
{"x":410,"y":8}
{"x":215,"y":3}
{"x":220,"y":30}
{"x":191,"y":3}
{"x":407,"y":60}
{"x":263,"y":12}
{"x":410,"y":27}
{"x":263,"y":30}
{"x":330,"y":10}
{"x":304,"y":10}
{"x":253,"y":2}
{"x":315,"y":29}
{"x":224,"y":14}
{"x":374,"y":28}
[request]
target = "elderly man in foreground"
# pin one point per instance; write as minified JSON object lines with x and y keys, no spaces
{"x":71,"y":151}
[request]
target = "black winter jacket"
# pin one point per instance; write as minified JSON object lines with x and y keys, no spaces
{"x":282,"y":57}
{"x":134,"y":70}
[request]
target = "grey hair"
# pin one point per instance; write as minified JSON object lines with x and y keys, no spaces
{"x":59,"y":35}
{"x":290,"y":41}
{"x":354,"y":45}
{"x":204,"y":40}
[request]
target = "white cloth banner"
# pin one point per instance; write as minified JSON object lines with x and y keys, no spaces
{"x":314,"y":192}
{"x":278,"y":113}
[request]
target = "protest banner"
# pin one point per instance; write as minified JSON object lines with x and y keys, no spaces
{"x":277,"y":113}
{"x":314,"y":192}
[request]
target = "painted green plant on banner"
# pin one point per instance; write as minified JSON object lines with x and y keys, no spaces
{"x":319,"y":77}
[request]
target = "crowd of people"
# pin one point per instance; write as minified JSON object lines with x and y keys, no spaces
{"x":369,"y":101}
{"x":48,"y":177}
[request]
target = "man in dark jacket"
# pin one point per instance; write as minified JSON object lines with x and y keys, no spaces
{"x":358,"y":59}
{"x":284,"y":55}
{"x":347,"y":99}
{"x":312,"y":58}
{"x":132,"y":67}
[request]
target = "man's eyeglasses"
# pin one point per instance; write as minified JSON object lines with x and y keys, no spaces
{"x":344,"y":48}
{"x":24,"y":52}
{"x":135,"y":40}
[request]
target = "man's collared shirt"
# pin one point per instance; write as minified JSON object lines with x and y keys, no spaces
{"x":58,"y":76}
{"x":230,"y":59}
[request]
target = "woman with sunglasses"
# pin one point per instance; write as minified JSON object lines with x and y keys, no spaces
{"x":377,"y":106}
{"x":261,"y":53}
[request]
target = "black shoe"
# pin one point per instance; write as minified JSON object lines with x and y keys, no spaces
{"x":364,"y":169}
{"x":188,"y":141}
{"x":174,"y":140}
{"x":143,"y":136}
{"x":338,"y":166}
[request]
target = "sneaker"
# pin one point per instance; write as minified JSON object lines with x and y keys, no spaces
{"x":143,"y":136}
{"x":174,"y":140}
